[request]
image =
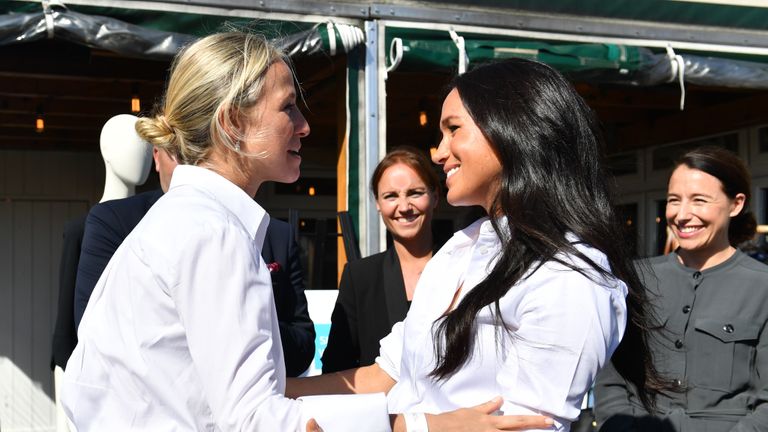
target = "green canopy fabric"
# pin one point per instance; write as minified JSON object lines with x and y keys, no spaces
{"x":433,"y":49}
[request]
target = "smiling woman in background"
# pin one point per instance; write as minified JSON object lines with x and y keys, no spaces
{"x":711,"y":304}
{"x":376,"y":291}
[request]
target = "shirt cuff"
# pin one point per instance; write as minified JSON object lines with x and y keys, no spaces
{"x":347,"y":413}
{"x":415,"y":422}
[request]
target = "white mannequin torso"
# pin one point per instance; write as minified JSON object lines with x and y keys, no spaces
{"x":127,"y":158}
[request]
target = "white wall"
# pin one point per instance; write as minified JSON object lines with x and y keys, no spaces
{"x":39,"y":192}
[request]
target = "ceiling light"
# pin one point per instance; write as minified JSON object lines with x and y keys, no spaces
{"x":135,"y":101}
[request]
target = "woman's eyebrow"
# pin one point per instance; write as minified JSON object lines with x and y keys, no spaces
{"x":446,"y":120}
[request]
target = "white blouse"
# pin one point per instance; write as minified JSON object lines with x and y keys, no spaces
{"x":181,"y":333}
{"x":564,"y":326}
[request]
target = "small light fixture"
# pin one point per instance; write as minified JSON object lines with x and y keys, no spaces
{"x":135,"y":101}
{"x":423,"y":118}
{"x":39,"y":121}
{"x":423,"y":106}
{"x":135,"y":104}
{"x":658,"y":219}
{"x":311,"y":191}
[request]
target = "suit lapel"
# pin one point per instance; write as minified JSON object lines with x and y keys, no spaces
{"x":394,"y":288}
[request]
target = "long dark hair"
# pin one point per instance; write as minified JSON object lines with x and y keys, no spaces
{"x":734,"y":178}
{"x":552,"y":183}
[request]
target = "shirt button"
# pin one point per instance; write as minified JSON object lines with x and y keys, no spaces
{"x":728,"y":328}
{"x":697,"y":275}
{"x":686,"y":309}
{"x":678,"y":344}
{"x":678,"y":383}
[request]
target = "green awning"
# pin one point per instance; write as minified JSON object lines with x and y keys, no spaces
{"x":435,"y":49}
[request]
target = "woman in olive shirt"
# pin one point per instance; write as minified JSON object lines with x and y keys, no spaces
{"x":712,"y":305}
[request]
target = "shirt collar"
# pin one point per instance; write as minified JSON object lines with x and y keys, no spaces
{"x":253,"y":217}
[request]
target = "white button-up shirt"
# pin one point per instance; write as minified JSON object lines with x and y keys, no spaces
{"x":564,"y":327}
{"x":181,"y":333}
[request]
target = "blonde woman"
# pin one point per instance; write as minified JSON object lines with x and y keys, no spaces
{"x":180,"y":332}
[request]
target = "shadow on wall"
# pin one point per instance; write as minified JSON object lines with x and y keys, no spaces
{"x":24,"y":406}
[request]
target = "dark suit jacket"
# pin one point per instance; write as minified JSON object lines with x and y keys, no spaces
{"x":371,"y":300}
{"x":107,"y":225}
{"x":110,"y":222}
{"x":297,"y":331}
{"x":64,"y":333}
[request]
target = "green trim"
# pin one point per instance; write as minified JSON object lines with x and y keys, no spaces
{"x":355,"y":65}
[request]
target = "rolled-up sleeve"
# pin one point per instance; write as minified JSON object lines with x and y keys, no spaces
{"x":391,"y":351}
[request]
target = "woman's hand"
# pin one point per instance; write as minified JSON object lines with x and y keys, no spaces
{"x":479,"y":418}
{"x":312,"y":426}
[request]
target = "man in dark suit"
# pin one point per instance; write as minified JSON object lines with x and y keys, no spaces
{"x":65,"y":332}
{"x":297,"y":332}
{"x":108,"y":224}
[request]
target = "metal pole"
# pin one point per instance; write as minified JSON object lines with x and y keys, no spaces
{"x":369,"y":220}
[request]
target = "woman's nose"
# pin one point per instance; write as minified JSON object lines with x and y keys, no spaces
{"x":440,"y":155}
{"x":403,"y":204}
{"x":302,"y":125}
{"x":683,"y":211}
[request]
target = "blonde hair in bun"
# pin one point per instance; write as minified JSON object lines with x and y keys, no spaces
{"x":212,"y":81}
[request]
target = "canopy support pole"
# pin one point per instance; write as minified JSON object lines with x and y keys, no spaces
{"x":372,"y":233}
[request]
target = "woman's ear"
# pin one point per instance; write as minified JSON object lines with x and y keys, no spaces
{"x":738,"y":204}
{"x":231,"y":123}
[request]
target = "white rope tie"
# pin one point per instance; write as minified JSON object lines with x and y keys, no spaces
{"x":350,"y":36}
{"x":48,"y":14}
{"x":331,"y":37}
{"x":395,"y":54}
{"x":463,"y":59}
{"x":677,"y":66}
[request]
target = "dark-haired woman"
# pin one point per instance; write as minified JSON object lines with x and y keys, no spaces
{"x":528,"y":303}
{"x":376,"y":291}
{"x":711,"y":302}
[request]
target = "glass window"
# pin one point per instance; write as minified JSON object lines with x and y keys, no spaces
{"x":663,"y":157}
{"x":622,"y":164}
{"x":762,"y":140}
{"x":627,"y":214}
{"x":318,"y":244}
{"x":307,"y":186}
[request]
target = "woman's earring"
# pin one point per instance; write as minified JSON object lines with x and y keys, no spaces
{"x":237,"y":146}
